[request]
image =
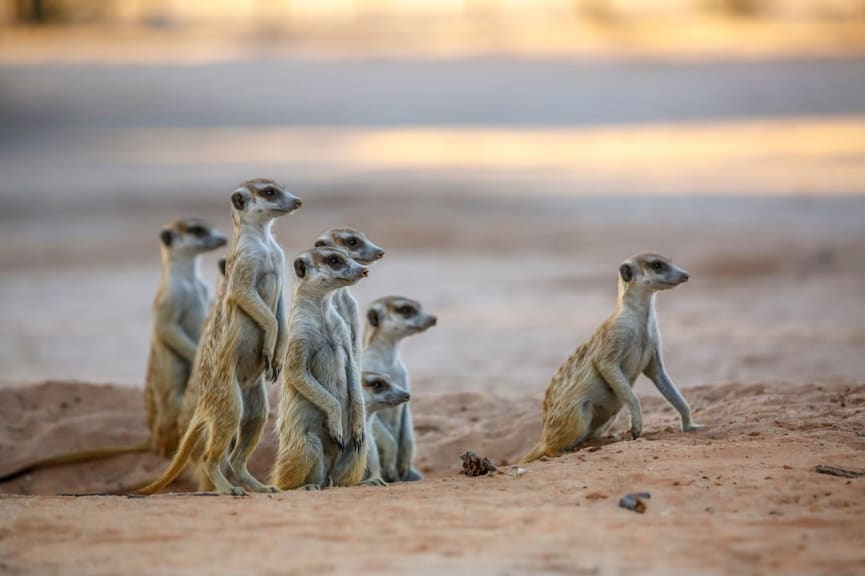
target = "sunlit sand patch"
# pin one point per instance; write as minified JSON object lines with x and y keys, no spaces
{"x":803,"y":155}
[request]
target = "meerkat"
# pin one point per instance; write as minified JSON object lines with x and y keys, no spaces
{"x":322,"y":398}
{"x":363,"y":251}
{"x":589,"y":389}
{"x":389,"y":321}
{"x":379,"y":392}
{"x":179,"y":310}
{"x":244,"y":338}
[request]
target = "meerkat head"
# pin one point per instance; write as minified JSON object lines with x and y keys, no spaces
{"x":398,"y":316}
{"x":191,"y":237}
{"x":325,"y":269}
{"x":260,"y":200}
{"x":380,"y":392}
{"x":355,"y":242}
{"x":651,"y":272}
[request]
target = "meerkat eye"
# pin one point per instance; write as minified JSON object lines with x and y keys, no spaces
{"x":197,"y":230}
{"x":378,"y":386}
{"x":406,"y":311}
{"x":658,"y":266}
{"x":352,"y":241}
{"x":270,"y":192}
{"x":334,"y":261}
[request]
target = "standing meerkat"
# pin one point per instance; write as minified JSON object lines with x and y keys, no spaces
{"x":363,"y":251}
{"x":179,"y":310}
{"x":379,"y":392}
{"x":322,"y":398}
{"x":389,"y":321}
{"x":244,"y":338}
{"x":589,"y":389}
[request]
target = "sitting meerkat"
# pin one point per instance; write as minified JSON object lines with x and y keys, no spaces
{"x":589,"y":389}
{"x":244,"y":339}
{"x":179,"y":310}
{"x":362,"y":251}
{"x":322,"y":398}
{"x":389,"y":321}
{"x":379,"y":392}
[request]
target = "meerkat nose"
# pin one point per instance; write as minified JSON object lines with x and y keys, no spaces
{"x":364,"y":272}
{"x":685,"y":276}
{"x":298,"y":202}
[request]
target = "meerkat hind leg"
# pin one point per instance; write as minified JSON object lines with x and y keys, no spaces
{"x":251,"y":425}
{"x":305,"y":469}
{"x":373,"y":482}
{"x":578,"y":428}
{"x":212,"y":462}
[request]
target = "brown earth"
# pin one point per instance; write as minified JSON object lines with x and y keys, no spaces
{"x":741,"y":496}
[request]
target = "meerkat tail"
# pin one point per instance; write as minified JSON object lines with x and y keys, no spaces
{"x":536,"y":453}
{"x":181,"y":458}
{"x":76,"y":458}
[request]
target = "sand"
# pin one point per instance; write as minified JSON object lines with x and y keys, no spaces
{"x":741,"y":497}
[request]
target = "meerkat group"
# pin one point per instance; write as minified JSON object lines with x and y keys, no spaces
{"x":343,"y":416}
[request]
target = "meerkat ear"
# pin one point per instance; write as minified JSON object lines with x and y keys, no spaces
{"x":319,"y":243}
{"x":166,"y":236}
{"x":372,"y":317}
{"x":300,"y":267}
{"x":239,"y":199}
{"x":626,"y":271}
{"x":221,"y":265}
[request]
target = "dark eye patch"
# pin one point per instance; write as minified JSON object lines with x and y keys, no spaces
{"x":335,"y":261}
{"x":352,"y":241}
{"x":658,"y":266}
{"x":407,"y":311}
{"x":197,"y":230}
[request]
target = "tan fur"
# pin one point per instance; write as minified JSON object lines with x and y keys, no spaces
{"x":178,"y":315}
{"x":244,"y":339}
{"x":379,"y":392}
{"x":388,"y":321}
{"x":588,"y":390}
{"x":322,"y":399}
{"x":363,"y":251}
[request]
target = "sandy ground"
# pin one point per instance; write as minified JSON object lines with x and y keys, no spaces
{"x":766,"y":340}
{"x":740,"y":497}
{"x":506,"y":212}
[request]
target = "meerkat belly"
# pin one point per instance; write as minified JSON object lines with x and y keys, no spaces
{"x":193,"y":319}
{"x":245,"y":348}
{"x":636,"y":360}
{"x":329,"y":367}
{"x":269,"y":287}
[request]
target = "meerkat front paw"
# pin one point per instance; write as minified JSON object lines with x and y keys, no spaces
{"x":275,"y":369}
{"x":267,"y":359}
{"x":692,"y":427}
{"x":357,"y":439}
{"x":334,"y":429}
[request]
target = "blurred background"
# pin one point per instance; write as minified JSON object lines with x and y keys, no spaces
{"x":508,"y":154}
